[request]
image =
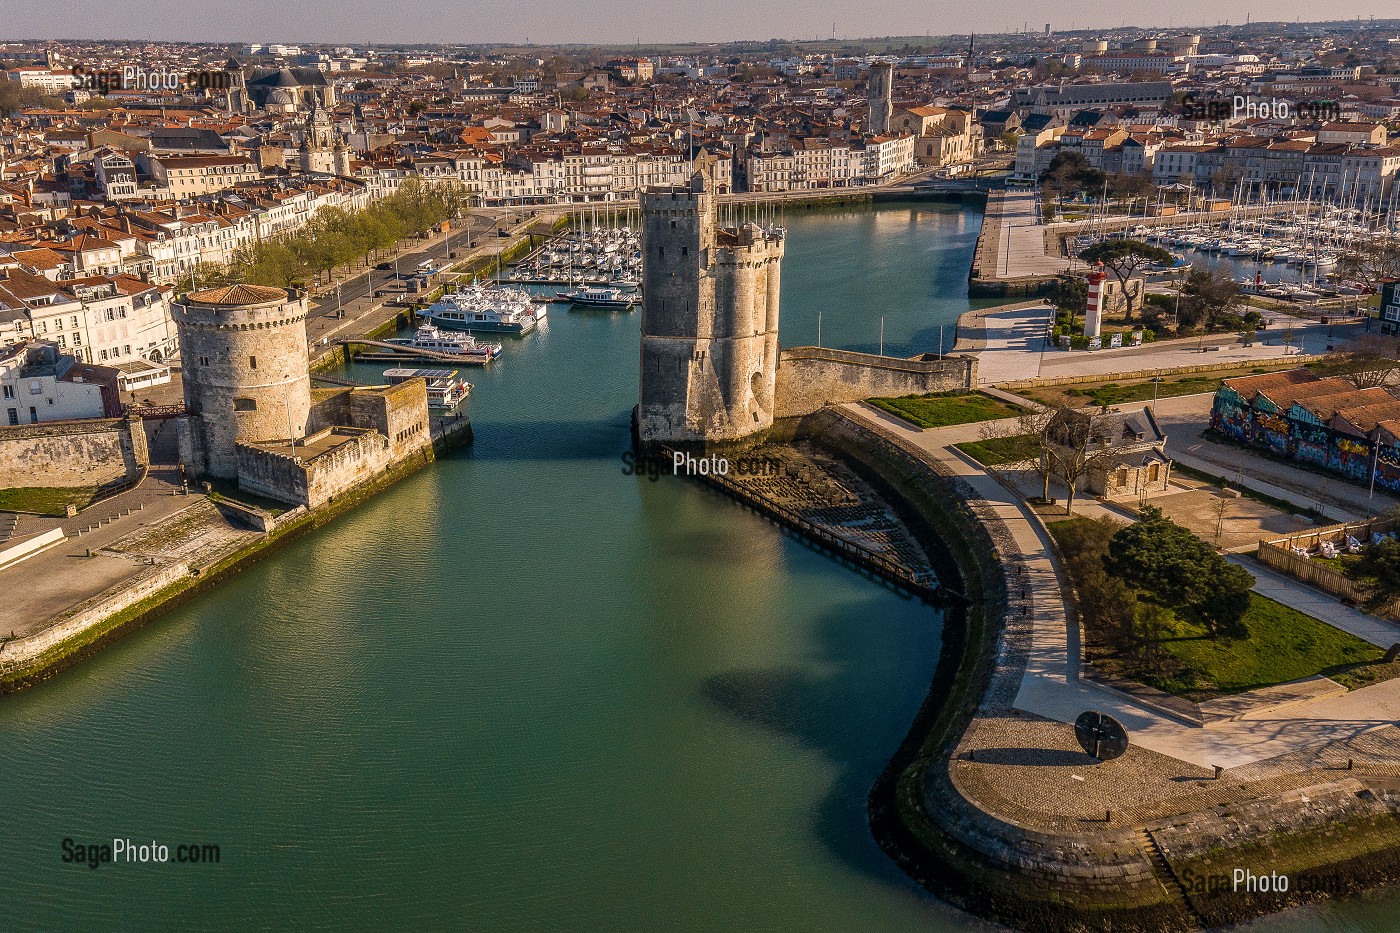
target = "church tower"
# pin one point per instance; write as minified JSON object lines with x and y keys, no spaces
{"x":236,"y":91}
{"x":709,"y":322}
{"x":881,"y":97}
{"x":318,"y":141}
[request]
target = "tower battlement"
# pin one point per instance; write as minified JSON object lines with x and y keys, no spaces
{"x":245,"y":358}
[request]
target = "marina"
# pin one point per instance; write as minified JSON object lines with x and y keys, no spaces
{"x":600,"y":254}
{"x":1289,"y":245}
{"x":410,"y":671}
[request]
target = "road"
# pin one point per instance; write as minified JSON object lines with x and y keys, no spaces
{"x":339,"y":308}
{"x":1015,"y":348}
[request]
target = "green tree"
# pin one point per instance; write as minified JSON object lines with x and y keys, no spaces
{"x":1377,"y":573}
{"x":1181,"y":571}
{"x":1125,"y":258}
{"x":1071,"y":295}
{"x":1070,"y":173}
{"x":1206,"y":295}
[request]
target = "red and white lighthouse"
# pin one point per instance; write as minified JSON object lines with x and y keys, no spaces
{"x":1093,"y":310}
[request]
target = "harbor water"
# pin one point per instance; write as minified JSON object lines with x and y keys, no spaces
{"x":520,"y":690}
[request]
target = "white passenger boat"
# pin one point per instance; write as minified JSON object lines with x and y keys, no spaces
{"x":445,"y":390}
{"x":502,"y":309}
{"x":431,"y":338}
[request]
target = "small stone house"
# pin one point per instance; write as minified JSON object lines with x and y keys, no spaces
{"x":1125,"y":453}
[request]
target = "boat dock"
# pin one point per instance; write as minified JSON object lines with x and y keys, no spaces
{"x":399,"y":353}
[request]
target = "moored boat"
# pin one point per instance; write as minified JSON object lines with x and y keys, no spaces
{"x":601,"y":297}
{"x":445,"y":390}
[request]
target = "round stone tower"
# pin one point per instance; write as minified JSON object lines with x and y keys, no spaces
{"x":244,"y":353}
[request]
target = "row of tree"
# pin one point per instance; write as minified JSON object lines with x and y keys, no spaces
{"x":1069,"y":172}
{"x":334,"y":238}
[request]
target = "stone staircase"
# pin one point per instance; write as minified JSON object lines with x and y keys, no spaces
{"x":1170,"y":883}
{"x":9,"y":526}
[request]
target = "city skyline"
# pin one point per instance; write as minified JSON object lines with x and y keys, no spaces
{"x":496,"y":21}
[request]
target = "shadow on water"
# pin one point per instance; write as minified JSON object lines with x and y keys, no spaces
{"x":595,"y":439}
{"x":862,"y":670}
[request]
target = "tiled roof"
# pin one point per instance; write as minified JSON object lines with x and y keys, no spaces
{"x":239,"y":294}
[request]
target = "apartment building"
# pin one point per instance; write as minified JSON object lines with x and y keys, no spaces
{"x":194,"y":176}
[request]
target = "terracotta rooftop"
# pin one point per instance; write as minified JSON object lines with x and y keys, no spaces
{"x":239,"y":294}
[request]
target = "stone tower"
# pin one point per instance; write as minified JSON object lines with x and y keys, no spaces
{"x":236,"y":94}
{"x":244,"y":353}
{"x":317,"y":152}
{"x":709,"y":322}
{"x":881,"y":96}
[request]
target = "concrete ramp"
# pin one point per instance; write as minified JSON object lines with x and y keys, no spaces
{"x":1243,"y":705}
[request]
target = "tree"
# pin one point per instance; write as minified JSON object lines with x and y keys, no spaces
{"x":1181,"y":571}
{"x":1366,"y":360}
{"x":1122,"y":185}
{"x":1377,"y":574}
{"x":1371,"y":261}
{"x":1125,"y":258}
{"x":1070,"y":172}
{"x":1069,"y":450}
{"x":1205,"y":295}
{"x":1071,"y":295}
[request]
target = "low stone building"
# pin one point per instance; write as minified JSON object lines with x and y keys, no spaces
{"x":1325,"y":422}
{"x":1124,"y":452}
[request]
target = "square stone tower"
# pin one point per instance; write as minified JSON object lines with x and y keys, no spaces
{"x":709,"y":322}
{"x":881,"y":98}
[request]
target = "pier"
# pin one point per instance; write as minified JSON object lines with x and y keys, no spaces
{"x":397,"y":352}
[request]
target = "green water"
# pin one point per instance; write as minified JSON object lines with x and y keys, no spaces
{"x":519,"y":690}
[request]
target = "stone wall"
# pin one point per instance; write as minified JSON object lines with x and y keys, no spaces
{"x":72,"y":453}
{"x":810,"y":377}
{"x":399,"y":412}
{"x":19,"y":652}
{"x":359,"y":456}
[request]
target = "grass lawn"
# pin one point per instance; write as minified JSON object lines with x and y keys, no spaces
{"x":1112,"y":393}
{"x":43,"y":499}
{"x":1283,"y":644}
{"x":940,"y":409}
{"x":999,"y":450}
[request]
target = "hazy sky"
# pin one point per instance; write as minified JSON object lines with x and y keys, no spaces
{"x":615,"y":21}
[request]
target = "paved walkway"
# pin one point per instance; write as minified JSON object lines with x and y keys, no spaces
{"x":1015,"y":349}
{"x":1050,"y":685}
{"x":1319,"y":605}
{"x":1022,"y":241}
